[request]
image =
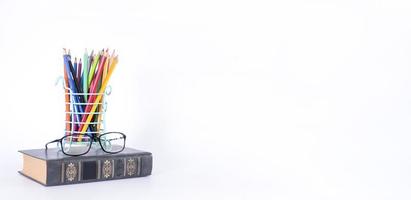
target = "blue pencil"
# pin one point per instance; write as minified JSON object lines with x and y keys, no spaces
{"x":75,"y":66}
{"x":74,"y":87}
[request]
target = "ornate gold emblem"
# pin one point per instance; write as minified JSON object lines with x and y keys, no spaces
{"x":71,"y":172}
{"x":131,"y":166}
{"x":107,"y":169}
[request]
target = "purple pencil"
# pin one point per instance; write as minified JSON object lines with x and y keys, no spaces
{"x":79,"y":71}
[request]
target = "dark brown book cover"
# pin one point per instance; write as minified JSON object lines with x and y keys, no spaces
{"x":51,"y":167}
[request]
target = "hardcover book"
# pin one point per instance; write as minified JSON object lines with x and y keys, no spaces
{"x":51,"y":167}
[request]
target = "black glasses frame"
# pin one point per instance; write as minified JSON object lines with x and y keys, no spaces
{"x":93,"y":138}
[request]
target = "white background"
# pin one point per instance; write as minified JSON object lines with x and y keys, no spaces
{"x":236,"y":99}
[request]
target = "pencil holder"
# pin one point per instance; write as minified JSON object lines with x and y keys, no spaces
{"x":76,"y":106}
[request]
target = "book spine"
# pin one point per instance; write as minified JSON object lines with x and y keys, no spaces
{"x":82,"y":170}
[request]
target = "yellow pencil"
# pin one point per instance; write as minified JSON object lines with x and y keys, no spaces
{"x":100,"y":106}
{"x":97,"y":100}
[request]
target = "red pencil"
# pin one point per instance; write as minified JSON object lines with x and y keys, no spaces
{"x":94,"y":103}
{"x":93,"y":87}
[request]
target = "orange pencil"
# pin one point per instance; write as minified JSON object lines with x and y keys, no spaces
{"x":67,"y":98}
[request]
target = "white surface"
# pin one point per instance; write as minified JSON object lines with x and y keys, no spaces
{"x":236,"y":100}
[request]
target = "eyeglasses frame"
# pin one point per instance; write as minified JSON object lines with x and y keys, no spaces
{"x":93,"y":138}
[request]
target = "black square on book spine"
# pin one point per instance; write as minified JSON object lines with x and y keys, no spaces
{"x":89,"y":170}
{"x":119,"y":167}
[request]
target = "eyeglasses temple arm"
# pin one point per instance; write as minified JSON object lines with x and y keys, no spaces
{"x":56,"y":140}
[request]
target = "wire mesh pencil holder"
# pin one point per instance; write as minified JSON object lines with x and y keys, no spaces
{"x":76,"y":106}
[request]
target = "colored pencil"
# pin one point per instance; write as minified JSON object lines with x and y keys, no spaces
{"x":86,"y":80}
{"x":67,"y":101}
{"x":71,"y":84}
{"x":93,"y":68}
{"x":94,"y":84}
{"x":90,"y":62}
{"x":85,"y":75}
{"x":79,"y":66}
{"x":75,"y":67}
{"x":105,"y":69}
{"x":92,"y":107}
{"x":76,"y":85}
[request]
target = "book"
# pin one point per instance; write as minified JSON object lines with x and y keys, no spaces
{"x":51,"y":167}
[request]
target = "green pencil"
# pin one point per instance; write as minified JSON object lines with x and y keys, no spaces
{"x":93,"y":68}
{"x":85,"y":74}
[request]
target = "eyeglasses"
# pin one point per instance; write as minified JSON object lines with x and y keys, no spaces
{"x":80,"y":144}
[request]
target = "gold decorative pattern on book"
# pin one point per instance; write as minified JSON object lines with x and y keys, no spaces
{"x":71,"y":172}
{"x":107,"y":169}
{"x":131,"y":166}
